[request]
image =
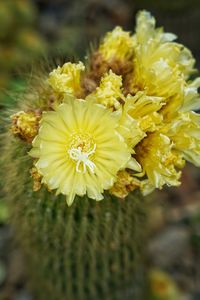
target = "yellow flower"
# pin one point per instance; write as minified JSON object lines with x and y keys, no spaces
{"x":186,"y":61}
{"x":109,"y":93}
{"x":160,"y":66}
{"x":66,"y":79}
{"x":190,"y":101}
{"x":79,"y":149}
{"x":126,"y":122}
{"x":162,"y":286}
{"x":161,"y":44}
{"x":191,"y":96}
{"x":25,"y":125}
{"x":117,"y":45}
{"x":159,"y":161}
{"x":185,"y":134}
{"x":145,"y":109}
{"x":130,"y":129}
{"x":146,"y":31}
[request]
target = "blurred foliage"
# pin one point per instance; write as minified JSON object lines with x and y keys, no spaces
{"x":19,"y":41}
{"x":15,"y":87}
{"x":195,"y":225}
{"x":3,"y":212}
{"x":2,"y":272}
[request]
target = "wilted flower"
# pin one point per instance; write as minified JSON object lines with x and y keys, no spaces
{"x":25,"y":125}
{"x":125,"y":184}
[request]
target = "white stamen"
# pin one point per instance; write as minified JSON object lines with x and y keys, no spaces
{"x":81,"y":157}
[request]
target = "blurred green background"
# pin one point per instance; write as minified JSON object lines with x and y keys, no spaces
{"x":34,"y":32}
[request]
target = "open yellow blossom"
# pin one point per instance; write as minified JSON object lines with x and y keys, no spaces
{"x":159,"y":161}
{"x":185,"y":134}
{"x":146,"y":31}
{"x":66,"y":79}
{"x":157,"y":78}
{"x":109,"y":93}
{"x":160,"y":65}
{"x":186,"y":61}
{"x":161,"y":44}
{"x":145,"y":109}
{"x":190,"y":101}
{"x":191,"y":96}
{"x":79,"y":149}
{"x":117,"y":45}
{"x":130,"y":129}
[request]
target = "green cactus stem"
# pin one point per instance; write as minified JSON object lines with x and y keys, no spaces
{"x":91,"y":250}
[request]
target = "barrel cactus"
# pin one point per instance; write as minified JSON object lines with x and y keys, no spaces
{"x":85,"y":144}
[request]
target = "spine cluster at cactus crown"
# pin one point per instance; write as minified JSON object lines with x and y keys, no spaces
{"x":126,"y":120}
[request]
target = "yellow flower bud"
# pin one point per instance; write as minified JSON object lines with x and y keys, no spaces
{"x":66,"y":79}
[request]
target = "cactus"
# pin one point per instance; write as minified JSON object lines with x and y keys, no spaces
{"x":106,"y":129}
{"x":91,"y":250}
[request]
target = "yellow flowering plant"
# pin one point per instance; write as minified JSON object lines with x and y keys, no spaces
{"x":116,"y":126}
{"x":125,"y":120}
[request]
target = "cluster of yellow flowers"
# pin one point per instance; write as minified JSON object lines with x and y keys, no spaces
{"x":126,"y":120}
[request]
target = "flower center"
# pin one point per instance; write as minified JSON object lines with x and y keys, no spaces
{"x":82,"y":147}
